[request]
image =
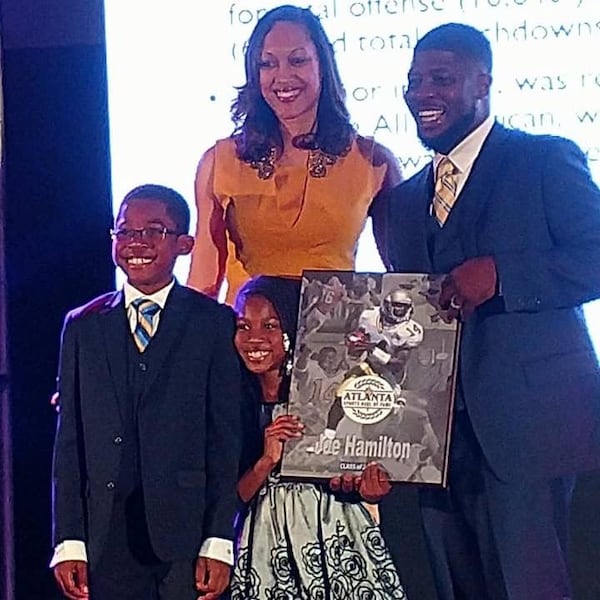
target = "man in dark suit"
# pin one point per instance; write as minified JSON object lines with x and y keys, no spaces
{"x":147,"y":443}
{"x":514,"y":220}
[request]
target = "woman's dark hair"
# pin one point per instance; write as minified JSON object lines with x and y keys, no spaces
{"x":256,"y":125}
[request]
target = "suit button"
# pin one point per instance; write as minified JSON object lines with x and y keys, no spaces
{"x":110,"y":485}
{"x":118,"y":440}
{"x":143,"y":366}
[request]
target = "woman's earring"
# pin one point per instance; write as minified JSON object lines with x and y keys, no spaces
{"x":286,"y":348}
{"x":288,"y":367}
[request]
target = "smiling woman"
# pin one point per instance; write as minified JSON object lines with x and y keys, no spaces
{"x":293,"y":187}
{"x":289,"y":75}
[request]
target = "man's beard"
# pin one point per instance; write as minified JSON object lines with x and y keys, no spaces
{"x":445,"y":142}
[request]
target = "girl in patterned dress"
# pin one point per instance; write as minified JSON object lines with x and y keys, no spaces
{"x":298,"y":540}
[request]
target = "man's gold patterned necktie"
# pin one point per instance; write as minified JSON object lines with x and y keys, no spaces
{"x":445,"y":190}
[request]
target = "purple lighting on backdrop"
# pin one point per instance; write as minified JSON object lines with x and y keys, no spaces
{"x":6,"y":520}
{"x":6,"y":550}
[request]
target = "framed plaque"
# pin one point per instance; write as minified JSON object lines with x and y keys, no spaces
{"x":373,"y":377}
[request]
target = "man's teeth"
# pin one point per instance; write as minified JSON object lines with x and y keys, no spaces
{"x":134,"y":260}
{"x":257,"y":355}
{"x":428,"y":116}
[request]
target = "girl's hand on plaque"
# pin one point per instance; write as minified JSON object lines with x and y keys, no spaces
{"x":282,"y":429}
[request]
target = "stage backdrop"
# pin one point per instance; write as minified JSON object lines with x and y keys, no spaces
{"x":6,"y":517}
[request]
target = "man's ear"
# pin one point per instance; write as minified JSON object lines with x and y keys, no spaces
{"x":185,"y":243}
{"x":484,"y":82}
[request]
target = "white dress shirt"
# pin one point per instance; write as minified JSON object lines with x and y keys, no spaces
{"x":464,"y":154}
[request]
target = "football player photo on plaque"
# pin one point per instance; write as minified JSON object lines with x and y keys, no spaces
{"x":373,"y":377}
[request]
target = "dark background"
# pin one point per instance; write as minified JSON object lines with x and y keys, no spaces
{"x":57,"y":215}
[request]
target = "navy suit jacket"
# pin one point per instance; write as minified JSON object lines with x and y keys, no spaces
{"x":188,"y":424}
{"x":528,"y":372}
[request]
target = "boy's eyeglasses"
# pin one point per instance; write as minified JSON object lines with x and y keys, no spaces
{"x":147,"y":234}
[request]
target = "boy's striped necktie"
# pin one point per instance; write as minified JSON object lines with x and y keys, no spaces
{"x":146,"y":310}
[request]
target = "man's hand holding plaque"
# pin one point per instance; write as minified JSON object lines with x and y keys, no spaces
{"x":372,"y":484}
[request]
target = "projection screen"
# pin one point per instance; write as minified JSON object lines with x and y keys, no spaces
{"x":173,"y":67}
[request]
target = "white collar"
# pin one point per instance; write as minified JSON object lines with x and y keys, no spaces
{"x":463,"y":155}
{"x":159,"y":297}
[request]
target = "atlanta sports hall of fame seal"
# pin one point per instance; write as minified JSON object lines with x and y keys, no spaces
{"x":373,"y":377}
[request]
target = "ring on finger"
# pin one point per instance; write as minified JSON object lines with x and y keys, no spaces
{"x":454,"y":304}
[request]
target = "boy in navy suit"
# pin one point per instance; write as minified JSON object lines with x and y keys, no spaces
{"x":147,"y":443}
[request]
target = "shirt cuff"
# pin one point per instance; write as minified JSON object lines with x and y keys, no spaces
{"x":217,"y":549}
{"x":69,"y":550}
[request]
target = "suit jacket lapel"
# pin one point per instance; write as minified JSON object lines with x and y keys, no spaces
{"x":424,"y":182}
{"x":114,"y":329}
{"x":410,"y":216}
{"x":170,"y":330}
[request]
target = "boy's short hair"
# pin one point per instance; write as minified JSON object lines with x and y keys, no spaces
{"x":174,"y":202}
{"x":460,"y":39}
